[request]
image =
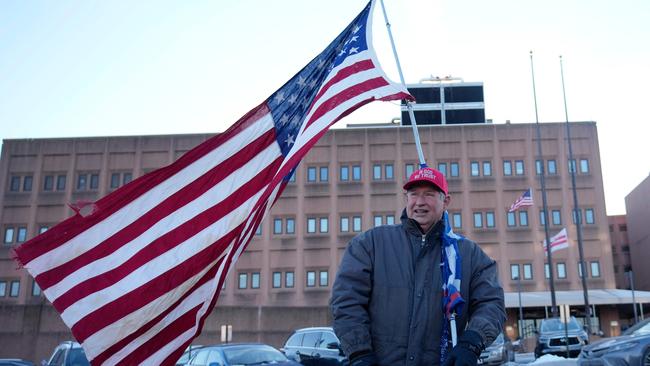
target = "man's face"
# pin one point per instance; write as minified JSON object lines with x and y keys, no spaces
{"x":425,"y":204}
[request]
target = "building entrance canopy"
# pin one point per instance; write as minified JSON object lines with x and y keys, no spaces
{"x":596,"y":297}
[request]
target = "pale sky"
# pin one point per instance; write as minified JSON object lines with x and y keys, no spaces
{"x":111,"y":68}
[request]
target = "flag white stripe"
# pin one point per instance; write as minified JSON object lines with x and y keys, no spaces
{"x":164,"y":262}
{"x":210,"y":198}
{"x":127,"y":214}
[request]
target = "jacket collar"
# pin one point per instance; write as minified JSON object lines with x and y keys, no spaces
{"x":413,"y":227}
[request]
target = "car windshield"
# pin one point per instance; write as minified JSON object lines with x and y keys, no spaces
{"x":555,"y":325}
{"x":77,"y":357}
{"x":252,"y":355}
{"x":641,"y":328}
{"x":498,"y":340}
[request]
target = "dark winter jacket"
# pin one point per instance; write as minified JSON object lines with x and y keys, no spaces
{"x":387,"y":296}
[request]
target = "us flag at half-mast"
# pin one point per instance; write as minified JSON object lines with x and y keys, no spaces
{"x":525,"y":200}
{"x":136,"y":275}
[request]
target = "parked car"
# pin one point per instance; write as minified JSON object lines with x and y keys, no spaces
{"x":14,"y":362}
{"x":188,"y":354}
{"x":497,"y":353}
{"x":630,"y":348}
{"x":240,"y":354}
{"x":552,"y":338}
{"x":315,"y":346}
{"x":68,"y":354}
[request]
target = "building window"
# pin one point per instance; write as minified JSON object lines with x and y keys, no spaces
{"x":9,"y":235}
{"x":36,"y":290}
{"x":43,"y":229}
{"x":538,"y":167}
{"x":324,"y":224}
{"x":474,"y":169}
{"x":478,"y":219}
{"x":311,"y":174}
{"x":584,"y":166}
{"x":345,"y":224}
{"x":376,"y":172}
{"x":589,"y":216}
{"x":487,"y":168}
{"x":258,"y":231}
{"x":288,"y":279}
{"x":292,"y":176}
{"x":356,"y":224}
{"x":311,"y":225}
{"x":454,"y":169}
{"x":512,"y":221}
{"x":542,"y":218}
{"x":577,"y":215}
{"x":291,"y":225}
{"x":507,"y":167}
{"x":323,"y":279}
{"x":356,"y":172}
{"x":3,"y":288}
{"x":528,"y":271}
{"x":60,"y":182}
{"x":580,"y":269}
{"x":442,"y":168}
{"x":22,"y":234}
{"x":552,"y":167}
{"x":311,"y":278}
{"x":388,"y":172}
{"x":378,"y":220}
{"x":344,"y":173}
{"x":514,"y":271}
{"x":408,"y":170}
{"x":115,"y":180}
{"x":255,"y":280}
{"x":48,"y":183}
{"x":390,"y":220}
{"x":519,"y":167}
{"x":547,"y":271}
{"x":595,"y":269}
{"x":277,"y":226}
{"x":87,"y":181}
{"x":324,"y":174}
{"x":27,"y":183}
{"x":120,"y":179}
{"x":572,"y":165}
{"x":14,"y":186}
{"x":489,"y":219}
{"x":456,"y":220}
{"x":14,"y":289}
{"x":557,"y":218}
{"x":243,"y":280}
{"x":277,"y":280}
{"x":523,"y":218}
{"x":561,"y":270}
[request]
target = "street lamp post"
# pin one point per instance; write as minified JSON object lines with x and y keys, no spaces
{"x":521,"y":309}
{"x":630,"y":275}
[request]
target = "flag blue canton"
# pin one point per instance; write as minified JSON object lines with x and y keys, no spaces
{"x":292,"y":102}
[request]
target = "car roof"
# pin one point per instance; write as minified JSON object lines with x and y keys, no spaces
{"x":228,"y":345}
{"x":314,"y":329}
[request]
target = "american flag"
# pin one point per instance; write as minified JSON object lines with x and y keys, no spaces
{"x":558,"y":241}
{"x":136,"y":273}
{"x":524,"y":200}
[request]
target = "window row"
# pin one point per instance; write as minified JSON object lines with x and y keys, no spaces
{"x":18,"y":234}
{"x":52,"y":182}
{"x":313,"y":278}
{"x":321,"y":225}
{"x":560,"y":271}
{"x":11,"y":288}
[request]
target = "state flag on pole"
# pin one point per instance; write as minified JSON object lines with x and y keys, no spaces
{"x":558,"y":241}
{"x":135,"y":274}
{"x":524,"y":200}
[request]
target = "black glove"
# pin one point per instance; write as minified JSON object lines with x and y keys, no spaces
{"x":467,"y":350}
{"x":363,"y":358}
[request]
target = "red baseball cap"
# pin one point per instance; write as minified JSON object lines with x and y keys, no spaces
{"x":427,"y":175}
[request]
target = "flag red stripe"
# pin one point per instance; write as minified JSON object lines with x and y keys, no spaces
{"x":150,"y":291}
{"x":209,"y":276}
{"x":167,"y":241}
{"x":342,"y":74}
{"x":344,"y":96}
{"x":166,"y":207}
{"x":119,"y":198}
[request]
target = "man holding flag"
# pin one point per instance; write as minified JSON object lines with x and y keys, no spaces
{"x":399,"y":286}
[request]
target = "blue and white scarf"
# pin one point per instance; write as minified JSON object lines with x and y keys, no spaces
{"x":451,"y":266}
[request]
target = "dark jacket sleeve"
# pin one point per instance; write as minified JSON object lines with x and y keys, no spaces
{"x":350,"y":296}
{"x":487,"y":312}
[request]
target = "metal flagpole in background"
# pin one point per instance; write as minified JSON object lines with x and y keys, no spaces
{"x":545,"y":208}
{"x":576,"y":210}
{"x":416,"y":135}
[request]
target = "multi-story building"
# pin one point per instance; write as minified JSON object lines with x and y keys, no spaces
{"x":349,"y":182}
{"x":637,"y":207}
{"x":620,"y":250}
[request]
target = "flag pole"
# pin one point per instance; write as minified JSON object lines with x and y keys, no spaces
{"x":545,"y":206}
{"x":409,"y":107}
{"x":576,"y":209}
